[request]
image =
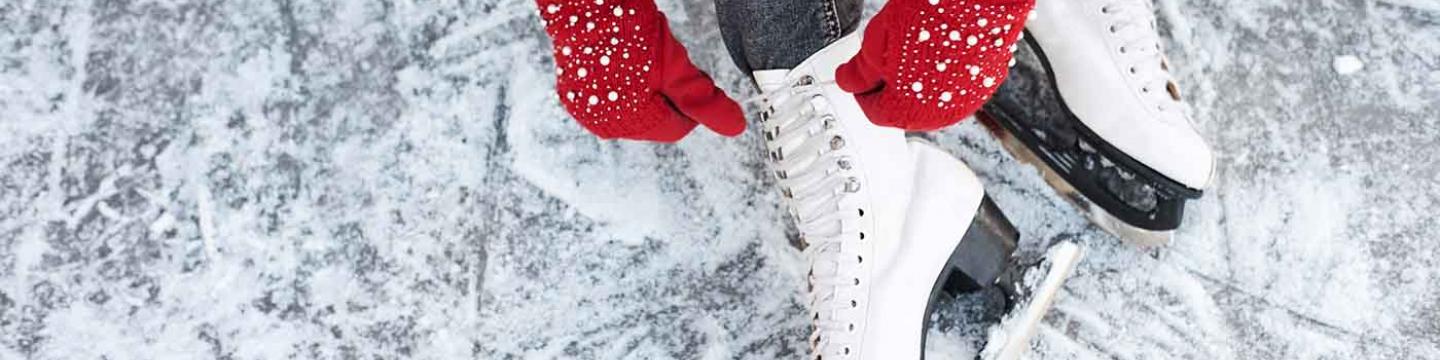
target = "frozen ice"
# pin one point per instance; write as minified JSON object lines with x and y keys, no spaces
{"x":365,"y":179}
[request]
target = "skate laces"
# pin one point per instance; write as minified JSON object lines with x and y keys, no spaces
{"x":1133,"y":23}
{"x":808,"y":153}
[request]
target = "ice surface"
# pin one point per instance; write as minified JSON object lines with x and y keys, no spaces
{"x":333,"y":179}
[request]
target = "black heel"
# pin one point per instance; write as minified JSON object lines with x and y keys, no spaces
{"x":983,"y":256}
{"x":984,"y":252}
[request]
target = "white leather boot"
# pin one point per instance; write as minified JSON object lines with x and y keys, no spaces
{"x":1092,"y":100}
{"x":884,"y":220}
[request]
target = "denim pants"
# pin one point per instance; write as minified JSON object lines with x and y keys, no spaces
{"x":779,"y":34}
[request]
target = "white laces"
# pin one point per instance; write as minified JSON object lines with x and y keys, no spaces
{"x":1133,"y":24}
{"x":815,"y":170}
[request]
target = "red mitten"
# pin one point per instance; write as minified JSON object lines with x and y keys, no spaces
{"x":926,"y":64}
{"x":621,"y":73}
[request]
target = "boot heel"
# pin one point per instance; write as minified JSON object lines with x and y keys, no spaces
{"x":984,"y":251}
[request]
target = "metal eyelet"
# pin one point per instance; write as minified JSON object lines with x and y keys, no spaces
{"x":817,"y":97}
{"x":837,"y":143}
{"x":843,"y":163}
{"x":852,"y":184}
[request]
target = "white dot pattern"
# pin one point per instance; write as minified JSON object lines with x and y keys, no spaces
{"x":602,"y":71}
{"x":981,"y":39}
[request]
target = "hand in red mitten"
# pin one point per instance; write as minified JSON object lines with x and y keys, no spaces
{"x":621,"y":73}
{"x":926,"y":64}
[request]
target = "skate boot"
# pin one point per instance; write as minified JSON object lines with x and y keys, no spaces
{"x":885,"y":220}
{"x":1091,"y":98}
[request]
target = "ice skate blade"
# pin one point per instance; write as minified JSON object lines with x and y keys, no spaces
{"x":1012,"y":338}
{"x":1095,"y":213}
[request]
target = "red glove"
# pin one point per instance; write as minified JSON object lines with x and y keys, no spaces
{"x":926,"y":64}
{"x":621,"y":73}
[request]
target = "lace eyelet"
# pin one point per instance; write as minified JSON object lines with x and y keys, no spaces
{"x":837,"y":143}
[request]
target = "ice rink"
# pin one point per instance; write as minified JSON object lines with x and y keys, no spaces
{"x":388,"y":179}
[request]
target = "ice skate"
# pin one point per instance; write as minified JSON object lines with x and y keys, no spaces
{"x":887,"y":223}
{"x":1091,"y":103}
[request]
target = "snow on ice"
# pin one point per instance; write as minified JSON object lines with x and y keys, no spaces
{"x":1347,"y":64}
{"x":335,"y":179}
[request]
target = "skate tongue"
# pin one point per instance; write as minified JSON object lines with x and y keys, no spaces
{"x":769,"y":80}
{"x":820,"y":65}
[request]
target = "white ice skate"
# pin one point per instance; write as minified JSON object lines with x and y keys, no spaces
{"x":885,"y":220}
{"x":1092,"y":100}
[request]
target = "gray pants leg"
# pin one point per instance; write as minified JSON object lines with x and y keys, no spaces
{"x":779,"y":34}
